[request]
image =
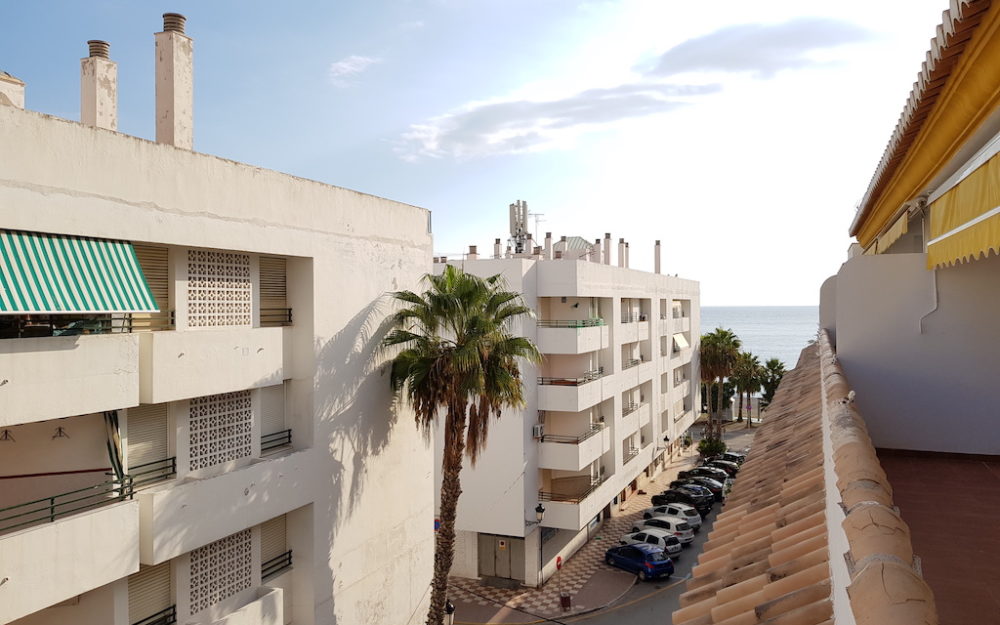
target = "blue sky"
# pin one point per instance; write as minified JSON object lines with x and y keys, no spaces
{"x":739,"y":133}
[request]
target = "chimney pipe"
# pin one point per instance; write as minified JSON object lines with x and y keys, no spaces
{"x":536,"y":252}
{"x":626,"y":254}
{"x":621,"y":252}
{"x":595,"y":252}
{"x":656,"y":257}
{"x":558,"y":254}
{"x":99,"y":87}
{"x":174,"y":84}
{"x":607,"y":248}
{"x":496,"y":248}
{"x":548,"y":246}
{"x":11,"y":90}
{"x":473,"y":255}
{"x":509,"y":252}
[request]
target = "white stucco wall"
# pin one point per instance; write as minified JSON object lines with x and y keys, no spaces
{"x":918,"y":347}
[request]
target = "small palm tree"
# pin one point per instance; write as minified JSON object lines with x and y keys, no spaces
{"x":770,"y":377}
{"x":746,"y":376}
{"x":459,"y":359}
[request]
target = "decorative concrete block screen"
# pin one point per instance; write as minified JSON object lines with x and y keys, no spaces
{"x":220,"y":570}
{"x":219,"y":289}
{"x":220,"y":428}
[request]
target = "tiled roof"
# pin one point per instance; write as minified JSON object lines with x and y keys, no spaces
{"x":767,"y":559}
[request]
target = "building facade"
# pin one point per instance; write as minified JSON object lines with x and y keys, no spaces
{"x":605,"y":409}
{"x":193,"y":423}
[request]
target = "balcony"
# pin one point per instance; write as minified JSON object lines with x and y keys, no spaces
{"x":682,"y":324}
{"x":179,"y":365}
{"x":572,"y":337}
{"x":54,"y":376}
{"x":265,"y":609}
{"x":64,"y":548}
{"x":680,"y":357}
{"x":629,"y":363}
{"x":573,"y":508}
{"x":573,"y":453}
{"x":642,"y":329}
{"x":627,"y":331}
{"x":250,"y":495}
{"x":570,"y":394}
{"x":629,"y":421}
{"x":645,"y":413}
{"x":629,"y":454}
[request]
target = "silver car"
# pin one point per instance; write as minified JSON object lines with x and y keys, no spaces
{"x":656,"y":537}
{"x":682,"y":510}
{"x":675,"y":525}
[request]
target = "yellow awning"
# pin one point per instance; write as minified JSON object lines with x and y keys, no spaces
{"x":965,"y":221}
{"x":893,"y":234}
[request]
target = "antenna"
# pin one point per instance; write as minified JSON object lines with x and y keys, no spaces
{"x":519,"y":235}
{"x":537,"y":217}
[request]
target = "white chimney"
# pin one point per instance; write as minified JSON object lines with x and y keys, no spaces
{"x":496,"y":248}
{"x":558,"y":254}
{"x":11,"y":90}
{"x":536,"y":252}
{"x":548,"y":246}
{"x":99,"y":87}
{"x":607,"y":248}
{"x":174,"y":84}
{"x":509,"y":252}
{"x":626,"y":254}
{"x":595,"y":254}
{"x":473,"y":255}
{"x":621,"y":252}
{"x":656,"y":257}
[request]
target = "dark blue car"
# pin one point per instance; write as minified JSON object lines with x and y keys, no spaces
{"x":646,"y":561}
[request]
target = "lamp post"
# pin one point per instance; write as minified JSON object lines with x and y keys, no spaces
{"x":539,"y":515}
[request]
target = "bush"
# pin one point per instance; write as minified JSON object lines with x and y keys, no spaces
{"x":711,"y":447}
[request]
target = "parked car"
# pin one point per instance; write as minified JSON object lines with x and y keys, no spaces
{"x":728,"y":456}
{"x":646,"y":561}
{"x":731,"y":468}
{"x":674,"y":524}
{"x":702,"y":504}
{"x":717,"y":489}
{"x":656,"y":537}
{"x":712,"y":472}
{"x":697,"y":490}
{"x":682,"y":510}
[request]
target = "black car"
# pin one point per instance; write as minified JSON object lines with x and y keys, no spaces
{"x":728,"y":456}
{"x":700,"y":503}
{"x":731,"y":468}
{"x":712,"y":472}
{"x":717,"y":489}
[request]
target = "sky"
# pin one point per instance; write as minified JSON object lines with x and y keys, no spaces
{"x":740,"y":133}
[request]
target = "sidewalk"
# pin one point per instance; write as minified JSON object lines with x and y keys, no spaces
{"x":591,"y":583}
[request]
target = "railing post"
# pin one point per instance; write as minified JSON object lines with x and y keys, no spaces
{"x":52,"y":509}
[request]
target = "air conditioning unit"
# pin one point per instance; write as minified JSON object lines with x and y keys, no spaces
{"x":538,"y":430}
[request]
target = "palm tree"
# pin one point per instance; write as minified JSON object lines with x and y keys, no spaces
{"x":719,"y":350}
{"x":459,"y":359}
{"x":771,"y":376}
{"x":746,"y":376}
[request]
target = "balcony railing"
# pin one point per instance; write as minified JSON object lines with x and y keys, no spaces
{"x":631,"y":362}
{"x":570,"y":323}
{"x":588,"y":376}
{"x":48,"y":509}
{"x":271,"y":317}
{"x":630,"y":453}
{"x":155,"y":471}
{"x":167,"y":616}
{"x":629,"y":408}
{"x":32,"y":326}
{"x":276,"y":565}
{"x":275,"y":440}
{"x":571,"y":497}
{"x":573,"y":440}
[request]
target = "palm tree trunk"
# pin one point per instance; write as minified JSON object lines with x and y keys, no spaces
{"x":444,"y":543}
{"x":739,"y":416}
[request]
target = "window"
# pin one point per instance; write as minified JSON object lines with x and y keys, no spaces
{"x":652,"y":540}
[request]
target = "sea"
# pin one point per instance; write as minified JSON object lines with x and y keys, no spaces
{"x":766,"y":331}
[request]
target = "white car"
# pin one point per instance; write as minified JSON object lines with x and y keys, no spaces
{"x":675,"y":525}
{"x":682,"y":510}
{"x":656,"y":537}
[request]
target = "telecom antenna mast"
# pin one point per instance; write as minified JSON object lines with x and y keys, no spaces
{"x":519,"y":235}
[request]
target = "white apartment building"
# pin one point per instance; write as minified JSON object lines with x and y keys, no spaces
{"x":605,"y":410}
{"x":194,"y":427}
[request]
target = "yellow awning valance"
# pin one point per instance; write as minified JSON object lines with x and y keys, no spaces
{"x":965,"y":221}
{"x":893,"y":234}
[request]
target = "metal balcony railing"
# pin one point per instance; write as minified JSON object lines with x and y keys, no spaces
{"x":275,"y":440}
{"x":276,"y":565}
{"x":167,"y":616}
{"x":48,"y":509}
{"x":629,"y":408}
{"x":573,"y":440}
{"x":571,"y":497}
{"x":631,"y":362}
{"x":632,"y":452}
{"x":570,"y":323}
{"x":155,"y":471}
{"x":271,"y":317}
{"x":32,"y":326}
{"x":588,"y":376}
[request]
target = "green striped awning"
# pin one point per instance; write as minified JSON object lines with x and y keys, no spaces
{"x":53,"y":274}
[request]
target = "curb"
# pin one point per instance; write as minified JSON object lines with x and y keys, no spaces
{"x":554,"y":618}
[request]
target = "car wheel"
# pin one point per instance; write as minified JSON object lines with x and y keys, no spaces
{"x":635,"y":529}
{"x":642,"y":576}
{"x":609,"y":560}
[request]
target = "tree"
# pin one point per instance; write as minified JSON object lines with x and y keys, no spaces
{"x":458,"y":359}
{"x":746,"y":377}
{"x":718,"y":353}
{"x":771,"y":376}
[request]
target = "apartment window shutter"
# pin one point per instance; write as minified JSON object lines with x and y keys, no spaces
{"x":149,"y":592}
{"x":147,"y":434}
{"x":155,"y":264}
{"x":272,"y":538}
{"x":273,"y":283}
{"x":272,"y":409}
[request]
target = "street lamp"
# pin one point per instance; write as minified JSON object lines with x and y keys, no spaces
{"x":539,"y":515}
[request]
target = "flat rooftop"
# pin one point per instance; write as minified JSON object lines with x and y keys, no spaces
{"x":952,"y":505}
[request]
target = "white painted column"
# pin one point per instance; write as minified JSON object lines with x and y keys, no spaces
{"x":99,"y":88}
{"x":174,"y":84}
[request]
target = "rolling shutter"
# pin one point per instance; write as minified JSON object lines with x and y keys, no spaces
{"x":273,"y":284}
{"x":272,"y":409}
{"x":147,"y":434}
{"x":272,"y":538}
{"x":155,"y":265}
{"x":149,"y":592}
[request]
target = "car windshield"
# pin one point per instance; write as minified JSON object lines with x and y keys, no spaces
{"x":683,"y":526}
{"x":657,"y":556}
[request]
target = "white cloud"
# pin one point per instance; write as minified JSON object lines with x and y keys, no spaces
{"x":341,"y":72}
